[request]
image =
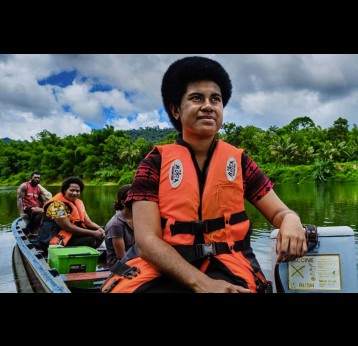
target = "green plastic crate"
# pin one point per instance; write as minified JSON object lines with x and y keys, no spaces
{"x":74,"y":259}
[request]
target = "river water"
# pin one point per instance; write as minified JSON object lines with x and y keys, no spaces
{"x":322,"y":205}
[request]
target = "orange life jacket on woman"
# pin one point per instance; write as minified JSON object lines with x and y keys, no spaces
{"x":77,"y":217}
{"x":212,"y":222}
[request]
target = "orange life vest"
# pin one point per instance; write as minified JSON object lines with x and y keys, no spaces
{"x":77,"y":217}
{"x":223,"y":226}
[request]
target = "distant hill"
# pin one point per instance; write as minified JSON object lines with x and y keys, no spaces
{"x":151,"y":134}
{"x":6,"y":139}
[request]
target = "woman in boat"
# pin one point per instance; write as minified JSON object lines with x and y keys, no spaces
{"x":65,"y":220}
{"x":119,"y":229}
{"x":191,"y":228}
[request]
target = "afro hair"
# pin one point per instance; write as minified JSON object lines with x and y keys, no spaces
{"x":184,"y":71}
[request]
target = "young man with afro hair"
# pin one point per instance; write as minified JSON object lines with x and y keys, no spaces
{"x":191,"y":227}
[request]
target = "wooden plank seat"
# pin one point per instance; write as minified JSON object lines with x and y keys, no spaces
{"x":100,"y":275}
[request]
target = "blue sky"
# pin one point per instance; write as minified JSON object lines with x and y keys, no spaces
{"x":70,"y":94}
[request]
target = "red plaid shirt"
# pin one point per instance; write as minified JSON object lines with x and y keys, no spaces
{"x":145,"y":185}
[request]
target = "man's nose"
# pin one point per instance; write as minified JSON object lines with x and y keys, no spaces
{"x":207,"y":105}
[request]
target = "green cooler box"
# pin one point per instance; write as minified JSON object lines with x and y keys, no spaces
{"x":74,"y":259}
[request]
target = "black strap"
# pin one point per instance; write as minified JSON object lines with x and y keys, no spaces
{"x":311,"y":236}
{"x":121,"y":269}
{"x":198,"y":251}
{"x":278,"y":282}
{"x":204,"y":226}
{"x":125,"y":270}
{"x":110,"y":287}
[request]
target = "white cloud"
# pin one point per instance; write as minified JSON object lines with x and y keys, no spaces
{"x":22,"y":125}
{"x":279,"y":108}
{"x":143,"y":120}
{"x":19,"y":90}
{"x":267,"y":90}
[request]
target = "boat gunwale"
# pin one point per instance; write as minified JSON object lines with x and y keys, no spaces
{"x":39,"y":265}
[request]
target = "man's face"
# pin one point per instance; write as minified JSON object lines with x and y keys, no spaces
{"x":35,"y":179}
{"x":201,"y":109}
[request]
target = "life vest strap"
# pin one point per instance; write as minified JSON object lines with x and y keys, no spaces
{"x":112,"y":285}
{"x":198,"y":251}
{"x":61,"y":238}
{"x":311,"y":236}
{"x":124,"y":270}
{"x":204,"y":226}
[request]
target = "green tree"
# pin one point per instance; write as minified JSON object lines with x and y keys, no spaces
{"x":300,"y":123}
{"x":284,"y":150}
{"x":339,"y":130}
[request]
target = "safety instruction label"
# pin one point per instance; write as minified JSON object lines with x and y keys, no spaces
{"x":317,"y":272}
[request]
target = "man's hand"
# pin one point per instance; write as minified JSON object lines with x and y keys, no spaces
{"x":291,"y":239}
{"x":219,"y":286}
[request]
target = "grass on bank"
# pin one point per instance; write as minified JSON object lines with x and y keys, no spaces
{"x":321,"y":171}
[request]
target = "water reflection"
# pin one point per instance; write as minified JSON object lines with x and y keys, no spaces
{"x":322,"y":205}
{"x":7,"y":243}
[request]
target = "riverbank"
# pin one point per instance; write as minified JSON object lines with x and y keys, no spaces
{"x":327,"y":172}
{"x":323,"y":171}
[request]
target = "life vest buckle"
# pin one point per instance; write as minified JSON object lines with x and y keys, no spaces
{"x":205,"y":250}
{"x":130,"y":272}
{"x":199,"y":226}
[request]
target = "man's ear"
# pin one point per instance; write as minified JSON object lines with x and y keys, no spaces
{"x":175,"y":110}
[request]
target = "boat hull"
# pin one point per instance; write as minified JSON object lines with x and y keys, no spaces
{"x":41,"y":277}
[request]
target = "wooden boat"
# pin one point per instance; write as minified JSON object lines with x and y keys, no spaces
{"x":35,"y":275}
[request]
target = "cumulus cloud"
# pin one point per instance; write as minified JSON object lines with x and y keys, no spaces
{"x":24,"y":125}
{"x":268,"y":89}
{"x":143,"y":120}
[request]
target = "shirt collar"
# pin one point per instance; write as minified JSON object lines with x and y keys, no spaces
{"x":179,"y":140}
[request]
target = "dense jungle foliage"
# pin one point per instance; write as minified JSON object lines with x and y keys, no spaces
{"x":297,"y":152}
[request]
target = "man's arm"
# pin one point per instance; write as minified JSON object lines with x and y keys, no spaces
{"x":291,"y":239}
{"x":47,"y":195}
{"x":21,"y":193}
{"x":42,"y":198}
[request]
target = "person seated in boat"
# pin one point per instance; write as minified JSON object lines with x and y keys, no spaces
{"x":46,"y":193}
{"x":30,"y":199}
{"x":65,"y":220}
{"x":191,"y":227}
{"x":119,"y":229}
